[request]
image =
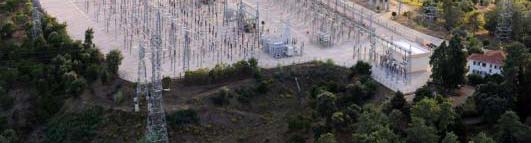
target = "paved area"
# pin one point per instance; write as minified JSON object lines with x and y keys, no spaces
{"x":342,"y":53}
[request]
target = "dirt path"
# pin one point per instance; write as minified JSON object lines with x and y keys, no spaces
{"x":462,"y":95}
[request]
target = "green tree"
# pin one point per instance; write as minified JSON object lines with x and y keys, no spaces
{"x":473,"y":44}
{"x":361,"y":68}
{"x":398,"y":101}
{"x":482,"y":138}
{"x":353,"y":111}
{"x":516,"y":63}
{"x":434,"y":113}
{"x":476,"y":21}
{"x":426,"y":109}
{"x":423,"y":92}
{"x":340,"y":120}
{"x":89,"y":36}
{"x":450,"y":138}
{"x":114,"y":59}
{"x":491,"y":21}
{"x":511,"y":130}
{"x":93,"y":72}
{"x":517,"y":73}
{"x":475,"y":79}
{"x":447,"y":116}
{"x":448,"y":64}
{"x":419,"y":132}
{"x":326,"y":104}
{"x":492,"y":100}
{"x":452,"y":14}
{"x":399,"y":121}
{"x":373,"y":127}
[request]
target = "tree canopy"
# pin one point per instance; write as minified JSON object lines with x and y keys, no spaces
{"x":448,"y":64}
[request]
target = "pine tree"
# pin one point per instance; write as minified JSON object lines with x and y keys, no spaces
{"x":448,"y":64}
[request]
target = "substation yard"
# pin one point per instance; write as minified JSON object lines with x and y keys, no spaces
{"x":196,"y":35}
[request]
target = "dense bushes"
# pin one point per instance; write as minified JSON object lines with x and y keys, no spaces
{"x":183,"y":117}
{"x":475,"y":79}
{"x":243,"y":94}
{"x":50,"y":68}
{"x":74,"y":127}
{"x":222,"y":72}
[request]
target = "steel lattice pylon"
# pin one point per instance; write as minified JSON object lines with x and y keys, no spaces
{"x":36,"y":30}
{"x":141,"y":87}
{"x":504,"y":25}
{"x":156,"y":121}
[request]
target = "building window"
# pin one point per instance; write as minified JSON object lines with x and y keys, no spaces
{"x":483,"y":64}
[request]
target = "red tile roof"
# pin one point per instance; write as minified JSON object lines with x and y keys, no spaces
{"x":492,"y":57}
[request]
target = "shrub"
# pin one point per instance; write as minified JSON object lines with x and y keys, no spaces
{"x":222,"y":97}
{"x":113,"y":61}
{"x":244,"y":94}
{"x":264,"y":86}
{"x":184,"y":117}
{"x":74,"y":127}
{"x":496,"y":78}
{"x":76,"y":87}
{"x":7,"y":30}
{"x":166,"y":82}
{"x":222,"y":72}
{"x":93,"y":72}
{"x":199,"y":76}
{"x":423,"y":92}
{"x":475,"y":79}
{"x":298,"y":123}
{"x":361,"y":68}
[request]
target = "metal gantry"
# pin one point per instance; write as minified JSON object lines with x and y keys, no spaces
{"x":339,"y":21}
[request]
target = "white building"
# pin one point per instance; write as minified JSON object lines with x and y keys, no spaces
{"x":488,"y":63}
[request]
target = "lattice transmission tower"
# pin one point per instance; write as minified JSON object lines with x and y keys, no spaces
{"x":141,"y":83}
{"x":156,"y":132}
{"x":504,"y":25}
{"x":36,"y":17}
